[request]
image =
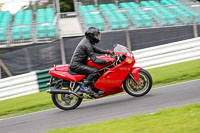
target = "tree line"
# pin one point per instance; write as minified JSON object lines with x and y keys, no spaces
{"x":68,"y":5}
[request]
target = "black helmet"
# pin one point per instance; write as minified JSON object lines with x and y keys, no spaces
{"x":93,"y":34}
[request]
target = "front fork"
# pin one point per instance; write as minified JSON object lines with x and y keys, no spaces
{"x":134,"y":74}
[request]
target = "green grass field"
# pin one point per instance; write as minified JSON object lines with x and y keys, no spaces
{"x":175,"y":120}
{"x":41,"y":101}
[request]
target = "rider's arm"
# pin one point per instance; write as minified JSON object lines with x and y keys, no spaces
{"x":99,"y":50}
{"x":93,"y":57}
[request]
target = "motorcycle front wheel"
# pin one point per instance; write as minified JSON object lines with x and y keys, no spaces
{"x":65,"y":101}
{"x":142,"y":87}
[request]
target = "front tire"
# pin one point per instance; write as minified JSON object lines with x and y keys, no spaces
{"x":142,"y":88}
{"x":65,"y":101}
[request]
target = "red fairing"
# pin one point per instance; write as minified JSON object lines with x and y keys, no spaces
{"x":111,"y":81}
{"x":62,"y":72}
{"x":99,"y":66}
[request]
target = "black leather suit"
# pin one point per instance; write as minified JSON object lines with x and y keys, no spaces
{"x":86,"y":49}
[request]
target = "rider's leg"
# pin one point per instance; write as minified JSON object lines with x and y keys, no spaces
{"x":91,"y":73}
{"x":89,"y":80}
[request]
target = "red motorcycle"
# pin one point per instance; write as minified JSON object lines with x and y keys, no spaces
{"x":114,"y":78}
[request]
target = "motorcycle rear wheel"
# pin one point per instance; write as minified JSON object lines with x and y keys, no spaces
{"x":65,"y":101}
{"x":142,"y":88}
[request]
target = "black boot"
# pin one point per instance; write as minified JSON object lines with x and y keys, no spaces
{"x":85,"y":89}
{"x":100,"y":92}
{"x":90,"y":80}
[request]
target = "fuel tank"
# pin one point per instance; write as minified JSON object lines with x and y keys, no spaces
{"x":99,"y":66}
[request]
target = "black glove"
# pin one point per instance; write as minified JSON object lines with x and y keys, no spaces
{"x":110,"y":60}
{"x":110,"y":52}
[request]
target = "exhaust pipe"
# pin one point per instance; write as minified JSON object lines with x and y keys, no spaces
{"x":58,"y":91}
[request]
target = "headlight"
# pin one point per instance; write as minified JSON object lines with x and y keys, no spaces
{"x":130,"y":55}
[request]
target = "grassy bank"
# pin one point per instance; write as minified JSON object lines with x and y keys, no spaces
{"x":41,"y":101}
{"x":176,"y":73}
{"x":175,"y":120}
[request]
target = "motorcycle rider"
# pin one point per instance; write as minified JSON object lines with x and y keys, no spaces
{"x":86,"y":49}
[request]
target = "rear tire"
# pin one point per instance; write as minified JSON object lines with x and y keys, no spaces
{"x":143,"y":87}
{"x":63,"y":101}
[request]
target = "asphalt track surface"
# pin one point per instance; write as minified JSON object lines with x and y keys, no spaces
{"x":104,"y":109}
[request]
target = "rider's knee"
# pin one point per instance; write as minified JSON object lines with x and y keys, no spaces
{"x":95,"y":71}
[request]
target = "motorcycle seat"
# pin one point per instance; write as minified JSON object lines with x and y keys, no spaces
{"x":72,"y":72}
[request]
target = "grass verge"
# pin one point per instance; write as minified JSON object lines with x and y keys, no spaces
{"x":40,"y":101}
{"x":185,"y":119}
{"x":175,"y":73}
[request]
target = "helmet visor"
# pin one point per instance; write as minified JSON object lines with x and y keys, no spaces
{"x":97,"y":36}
